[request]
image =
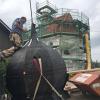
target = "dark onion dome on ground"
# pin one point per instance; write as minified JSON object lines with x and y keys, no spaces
{"x":23,"y":72}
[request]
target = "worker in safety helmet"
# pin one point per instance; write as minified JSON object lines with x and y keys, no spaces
{"x":15,"y":36}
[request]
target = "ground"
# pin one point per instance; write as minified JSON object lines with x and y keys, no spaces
{"x":80,"y":96}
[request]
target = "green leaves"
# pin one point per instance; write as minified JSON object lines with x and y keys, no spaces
{"x":3,"y":65}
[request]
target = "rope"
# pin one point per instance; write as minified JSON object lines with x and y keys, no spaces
{"x":58,"y":94}
{"x":31,"y":11}
{"x":39,"y":80}
{"x":37,"y":87}
{"x":47,"y":81}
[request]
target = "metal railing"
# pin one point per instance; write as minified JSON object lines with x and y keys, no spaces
{"x":76,"y":15}
{"x":40,"y":5}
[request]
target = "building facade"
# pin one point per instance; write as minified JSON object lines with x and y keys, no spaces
{"x":4,"y":36}
{"x":64,"y":30}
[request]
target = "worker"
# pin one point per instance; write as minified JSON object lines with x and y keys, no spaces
{"x":15,"y":37}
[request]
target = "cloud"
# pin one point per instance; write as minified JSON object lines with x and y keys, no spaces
{"x":12,"y":9}
{"x":95,"y":54}
{"x":95,"y":42}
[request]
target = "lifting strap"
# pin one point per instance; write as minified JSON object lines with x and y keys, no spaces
{"x":39,"y":80}
{"x":47,"y":81}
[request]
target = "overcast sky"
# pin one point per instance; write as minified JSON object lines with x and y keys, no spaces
{"x":11,"y":9}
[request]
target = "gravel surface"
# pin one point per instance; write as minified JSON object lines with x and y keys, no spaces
{"x":80,"y":96}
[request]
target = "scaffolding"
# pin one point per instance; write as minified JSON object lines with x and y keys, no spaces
{"x":64,"y":30}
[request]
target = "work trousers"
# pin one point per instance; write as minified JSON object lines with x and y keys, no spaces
{"x":17,"y":41}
